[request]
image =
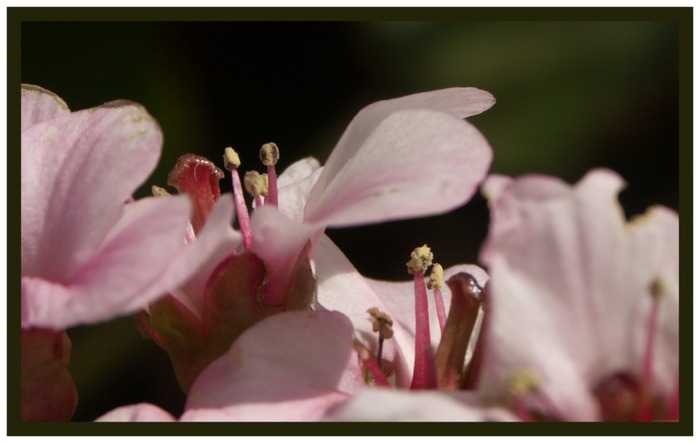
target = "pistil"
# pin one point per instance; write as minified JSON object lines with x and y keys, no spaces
{"x":424,"y":364}
{"x":464,"y":310}
{"x":232,"y":162}
{"x":269,"y":155}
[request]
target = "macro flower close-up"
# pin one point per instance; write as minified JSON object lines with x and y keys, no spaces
{"x":470,"y":220}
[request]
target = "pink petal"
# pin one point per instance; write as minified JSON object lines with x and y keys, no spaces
{"x":278,"y":241}
{"x":414,"y":163}
{"x":291,"y":366}
{"x":39,"y":105}
{"x":122,"y":275}
{"x":294,"y":184}
{"x":138,"y":412}
{"x":216,"y":241}
{"x":570,"y":288}
{"x":341,"y":288}
{"x":397,"y":405}
{"x":459,"y":102}
{"x":77,"y":171}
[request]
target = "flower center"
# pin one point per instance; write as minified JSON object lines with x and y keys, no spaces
{"x":444,"y":368}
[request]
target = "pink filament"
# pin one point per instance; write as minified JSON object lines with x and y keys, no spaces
{"x":241,"y":209}
{"x":440,"y":308}
{"x":272,"y":184}
{"x":646,"y":413}
{"x":424,"y":364}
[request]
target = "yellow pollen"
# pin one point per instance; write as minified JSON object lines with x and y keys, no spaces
{"x":381,"y":323}
{"x":658,"y":287}
{"x":523,"y":381}
{"x":157,"y":191}
{"x":256,"y":183}
{"x":231,"y":159}
{"x":269,"y":154}
{"x":437,"y":277}
{"x":421,"y":258}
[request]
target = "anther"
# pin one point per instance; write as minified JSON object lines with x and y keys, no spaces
{"x":269,"y":155}
{"x":435,"y":283}
{"x":381,"y":323}
{"x":157,"y":191}
{"x":256,"y":184}
{"x":421,"y":259}
{"x":232,"y":162}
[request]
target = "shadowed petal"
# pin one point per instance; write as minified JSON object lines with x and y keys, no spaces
{"x":139,"y":412}
{"x":396,"y":405}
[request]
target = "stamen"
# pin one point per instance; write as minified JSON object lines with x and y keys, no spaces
{"x":520,"y":383}
{"x":256,"y":184}
{"x":464,"y":310}
{"x":435,"y":283}
{"x":657,"y":289}
{"x":368,"y":364}
{"x":232,"y":162}
{"x":381,"y":323}
{"x":269,"y":155}
{"x":424,"y":364}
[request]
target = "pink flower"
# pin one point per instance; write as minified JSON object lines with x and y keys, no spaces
{"x":376,"y":172}
{"x":583,"y":305}
{"x":87,"y":256}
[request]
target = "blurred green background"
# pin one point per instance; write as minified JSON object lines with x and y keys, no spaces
{"x":571,"y":96}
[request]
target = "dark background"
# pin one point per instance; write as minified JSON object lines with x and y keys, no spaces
{"x":571,"y":96}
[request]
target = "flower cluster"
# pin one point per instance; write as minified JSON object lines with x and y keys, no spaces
{"x":572,"y":314}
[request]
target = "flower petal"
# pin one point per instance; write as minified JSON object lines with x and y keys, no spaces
{"x":278,"y":241}
{"x":77,"y":172}
{"x":39,"y":105}
{"x":414,"y":163}
{"x":459,"y":102}
{"x":294,"y":185}
{"x":123,"y":274}
{"x":396,"y":405}
{"x":291,"y":366}
{"x":144,"y":412}
{"x":567,"y":268}
{"x":216,"y":241}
